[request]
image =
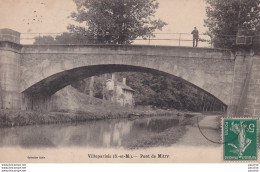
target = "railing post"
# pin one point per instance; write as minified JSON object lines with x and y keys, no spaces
{"x":149,"y":40}
{"x":179,"y":39}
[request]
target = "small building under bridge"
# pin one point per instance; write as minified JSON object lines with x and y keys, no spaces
{"x":120,"y":93}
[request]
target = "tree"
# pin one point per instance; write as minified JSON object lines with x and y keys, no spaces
{"x":64,"y":38}
{"x":116,"y":21}
{"x":40,"y":40}
{"x":226,"y":17}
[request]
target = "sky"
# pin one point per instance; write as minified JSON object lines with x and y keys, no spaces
{"x":51,"y":16}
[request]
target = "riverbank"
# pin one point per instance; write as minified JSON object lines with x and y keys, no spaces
{"x":11,"y":118}
{"x":165,"y":138}
{"x":186,"y":133}
{"x":168,"y":137}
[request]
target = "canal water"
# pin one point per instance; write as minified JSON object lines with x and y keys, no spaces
{"x":95,"y":134}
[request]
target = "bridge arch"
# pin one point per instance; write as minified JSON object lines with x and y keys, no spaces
{"x":47,"y":87}
{"x":47,"y":69}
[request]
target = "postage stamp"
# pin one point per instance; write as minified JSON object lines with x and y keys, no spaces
{"x":239,"y":139}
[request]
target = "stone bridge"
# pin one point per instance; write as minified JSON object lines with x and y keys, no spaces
{"x":30,"y":74}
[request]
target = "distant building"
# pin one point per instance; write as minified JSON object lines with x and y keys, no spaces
{"x":120,"y":92}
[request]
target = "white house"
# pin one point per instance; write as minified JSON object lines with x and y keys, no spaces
{"x":123,"y":93}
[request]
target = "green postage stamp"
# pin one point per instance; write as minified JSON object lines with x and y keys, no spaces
{"x":239,"y":139}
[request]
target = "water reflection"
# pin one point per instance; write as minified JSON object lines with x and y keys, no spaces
{"x":105,"y":133}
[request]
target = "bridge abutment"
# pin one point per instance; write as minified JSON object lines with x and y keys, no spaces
{"x":40,"y":103}
{"x":10,"y":73}
{"x":245,"y":98}
{"x":252,"y":101}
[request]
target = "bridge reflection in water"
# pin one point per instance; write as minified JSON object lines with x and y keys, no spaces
{"x":95,"y":134}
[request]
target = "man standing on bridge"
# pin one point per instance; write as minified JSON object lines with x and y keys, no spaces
{"x":195,"y":34}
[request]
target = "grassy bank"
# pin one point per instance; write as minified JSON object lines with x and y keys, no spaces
{"x":9,"y":118}
{"x":165,"y":138}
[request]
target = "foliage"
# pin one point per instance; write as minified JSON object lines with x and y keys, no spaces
{"x":109,"y":21}
{"x":41,"y":40}
{"x":115,"y":21}
{"x":225,"y":18}
{"x":160,"y":91}
{"x":64,"y":38}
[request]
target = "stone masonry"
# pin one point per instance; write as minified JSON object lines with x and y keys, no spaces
{"x":32,"y":73}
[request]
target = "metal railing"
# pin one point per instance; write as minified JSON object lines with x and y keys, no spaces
{"x":178,"y":39}
{"x":175,"y":39}
{"x":168,"y":39}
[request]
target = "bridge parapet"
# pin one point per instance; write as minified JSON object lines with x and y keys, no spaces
{"x":147,"y":50}
{"x":9,"y":35}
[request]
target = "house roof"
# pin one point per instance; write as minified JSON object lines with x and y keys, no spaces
{"x":123,"y":86}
